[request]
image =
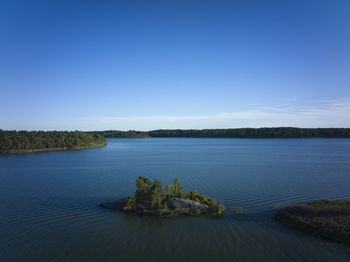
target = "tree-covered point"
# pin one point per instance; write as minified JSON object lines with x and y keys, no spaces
{"x":32,"y":141}
{"x":151,"y":199}
{"x":273,"y":132}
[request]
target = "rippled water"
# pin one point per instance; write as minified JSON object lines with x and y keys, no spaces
{"x":48,"y":203}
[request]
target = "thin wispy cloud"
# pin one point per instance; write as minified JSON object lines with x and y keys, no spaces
{"x":331,"y":113}
{"x":290,"y":99}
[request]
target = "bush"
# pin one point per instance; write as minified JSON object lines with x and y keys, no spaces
{"x":150,"y":199}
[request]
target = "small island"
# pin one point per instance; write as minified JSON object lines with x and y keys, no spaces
{"x":151,"y":199}
{"x":329,"y":219}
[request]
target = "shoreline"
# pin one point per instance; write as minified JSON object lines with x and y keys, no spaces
{"x":26,"y":151}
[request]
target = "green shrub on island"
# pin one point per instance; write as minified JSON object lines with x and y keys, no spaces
{"x":151,"y":199}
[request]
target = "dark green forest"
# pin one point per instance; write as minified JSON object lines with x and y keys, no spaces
{"x":31,"y":141}
{"x":121,"y":134}
{"x":28,"y":141}
{"x":273,"y":132}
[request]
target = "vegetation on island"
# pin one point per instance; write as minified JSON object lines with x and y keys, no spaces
{"x":151,"y":199}
{"x":273,"y":132}
{"x":34,"y":141}
{"x":329,"y":219}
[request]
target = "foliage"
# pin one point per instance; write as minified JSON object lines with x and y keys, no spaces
{"x":143,"y":190}
{"x":276,"y":132}
{"x":174,"y":190}
{"x":239,"y":211}
{"x":329,"y":219}
{"x":129,"y":203}
{"x":157,"y":195}
{"x":170,"y":190}
{"x":121,"y":134}
{"x":25,"y":141}
{"x":195,"y":196}
{"x":151,"y":199}
{"x":218,"y":210}
{"x":178,"y":188}
{"x":273,"y":132}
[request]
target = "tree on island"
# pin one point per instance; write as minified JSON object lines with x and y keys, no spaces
{"x":157,"y":195}
{"x":174,"y":190}
{"x":143,"y":190}
{"x":150,"y":198}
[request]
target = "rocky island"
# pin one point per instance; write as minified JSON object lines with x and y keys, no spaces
{"x":329,"y":219}
{"x":151,"y":199}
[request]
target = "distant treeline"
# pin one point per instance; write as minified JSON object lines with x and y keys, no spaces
{"x":31,"y":141}
{"x":274,"y":132}
{"x":121,"y":134}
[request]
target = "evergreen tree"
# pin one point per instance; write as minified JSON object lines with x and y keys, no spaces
{"x":143,"y":190}
{"x":170,"y":190}
{"x":157,"y":194}
{"x":177,"y":188}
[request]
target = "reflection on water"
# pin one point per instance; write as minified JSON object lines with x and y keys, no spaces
{"x":48,"y":206}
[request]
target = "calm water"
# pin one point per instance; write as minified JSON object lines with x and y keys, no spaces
{"x":48,"y":206}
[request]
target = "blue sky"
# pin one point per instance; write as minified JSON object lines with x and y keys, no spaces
{"x":96,"y":65}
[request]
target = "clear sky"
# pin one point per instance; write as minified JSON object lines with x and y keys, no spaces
{"x":96,"y":65}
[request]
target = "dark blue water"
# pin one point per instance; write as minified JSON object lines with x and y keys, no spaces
{"x":48,"y":200}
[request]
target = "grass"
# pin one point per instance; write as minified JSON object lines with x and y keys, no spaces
{"x":329,"y":219}
{"x":239,"y":211}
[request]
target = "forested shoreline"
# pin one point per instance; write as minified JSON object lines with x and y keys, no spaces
{"x":36,"y":141}
{"x":32,"y":141}
{"x":273,"y":132}
{"x":121,"y":134}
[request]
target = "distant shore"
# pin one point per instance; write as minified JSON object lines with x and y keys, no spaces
{"x":17,"y":142}
{"x":264,"y":132}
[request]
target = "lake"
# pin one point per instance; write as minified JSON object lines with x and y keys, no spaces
{"x":48,"y":206}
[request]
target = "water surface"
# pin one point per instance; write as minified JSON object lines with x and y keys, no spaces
{"x":48,"y":206}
